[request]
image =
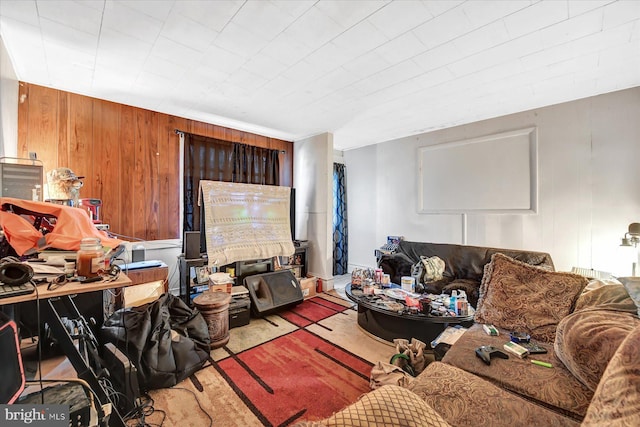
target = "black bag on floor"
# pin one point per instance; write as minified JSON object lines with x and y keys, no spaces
{"x":166,"y":340}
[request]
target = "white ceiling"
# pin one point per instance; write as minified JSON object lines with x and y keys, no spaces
{"x":367,"y":71}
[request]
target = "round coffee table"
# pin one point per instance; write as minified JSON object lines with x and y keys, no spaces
{"x":389,"y":325}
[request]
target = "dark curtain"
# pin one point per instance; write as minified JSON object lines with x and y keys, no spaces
{"x":218,"y":160}
{"x":255,"y":165}
{"x":340,"y":229}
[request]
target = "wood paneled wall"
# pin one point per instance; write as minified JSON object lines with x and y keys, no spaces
{"x":130,"y":157}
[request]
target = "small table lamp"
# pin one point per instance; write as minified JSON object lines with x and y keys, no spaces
{"x":632,"y":238}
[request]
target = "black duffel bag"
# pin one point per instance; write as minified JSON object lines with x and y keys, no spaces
{"x":166,"y":340}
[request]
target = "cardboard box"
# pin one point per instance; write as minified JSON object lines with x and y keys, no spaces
{"x":144,"y":293}
{"x":224,"y":287}
{"x":308,"y":286}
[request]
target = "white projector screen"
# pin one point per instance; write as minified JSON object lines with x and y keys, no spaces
{"x":495,"y":173}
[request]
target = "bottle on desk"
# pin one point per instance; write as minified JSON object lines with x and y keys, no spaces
{"x":90,"y":259}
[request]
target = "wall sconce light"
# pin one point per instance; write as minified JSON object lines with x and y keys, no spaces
{"x":632,"y":238}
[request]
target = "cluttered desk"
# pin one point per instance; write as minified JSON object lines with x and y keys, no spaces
{"x":30,"y":228}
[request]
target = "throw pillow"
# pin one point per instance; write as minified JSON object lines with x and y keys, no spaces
{"x":520,"y":297}
{"x":616,"y":401}
{"x":586,"y":341}
{"x":613,"y":297}
{"x":388,"y":405}
{"x":632,"y":285}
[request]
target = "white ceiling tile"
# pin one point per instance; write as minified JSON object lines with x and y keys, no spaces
{"x":188,"y":32}
{"x":481,"y":13}
{"x":618,"y":54}
{"x":294,"y":9}
{"x":56,"y":34}
{"x":114,"y":45}
{"x":264,"y":66}
{"x":439,"y":56}
{"x":359,"y":39}
{"x":620,"y":13}
{"x":572,"y":29}
{"x":238,"y":40}
{"x":367,"y":64}
{"x":286,"y":49}
{"x":392,"y":75}
{"x":443,"y":28}
{"x":398,"y":17}
{"x":26,"y":49}
{"x":23,"y":11}
{"x":214,"y":14}
{"x":66,"y":56}
{"x":349,"y":13}
{"x":591,"y":43}
{"x":402,"y":47}
{"x":247,"y":80}
{"x":152,"y":80}
{"x":535,"y":17}
{"x":314,"y":28}
{"x":77,"y":15}
{"x":335,"y":80}
{"x":222,"y":59}
{"x":262,"y":18}
{"x":158,"y":9}
{"x":126,"y":20}
{"x":277,"y":87}
{"x":162,"y":67}
{"x":497,"y":55}
{"x":330,"y":57}
{"x":578,"y":7}
{"x":175,"y":52}
{"x":433,"y":78}
{"x":481,"y":39}
{"x":437,"y":8}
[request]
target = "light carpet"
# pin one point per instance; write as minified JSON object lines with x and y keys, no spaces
{"x":322,"y":329}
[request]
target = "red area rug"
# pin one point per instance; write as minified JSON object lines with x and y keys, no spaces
{"x":298,"y":375}
{"x":311,"y":311}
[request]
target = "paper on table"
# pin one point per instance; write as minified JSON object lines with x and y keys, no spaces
{"x":39,"y":268}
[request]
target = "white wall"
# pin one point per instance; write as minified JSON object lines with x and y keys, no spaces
{"x":589,"y":187}
{"x":312,"y":178}
{"x":8,"y":105}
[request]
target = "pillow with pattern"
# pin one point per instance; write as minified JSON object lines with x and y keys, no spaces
{"x":520,"y":297}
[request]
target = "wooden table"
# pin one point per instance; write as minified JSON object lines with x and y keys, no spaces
{"x":69,"y":288}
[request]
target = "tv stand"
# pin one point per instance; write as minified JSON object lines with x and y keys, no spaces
{"x":242,"y":269}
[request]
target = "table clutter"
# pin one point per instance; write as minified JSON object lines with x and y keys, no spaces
{"x":376,"y":288}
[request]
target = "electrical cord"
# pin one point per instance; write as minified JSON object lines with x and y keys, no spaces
{"x":198,"y":402}
{"x":137,"y":417}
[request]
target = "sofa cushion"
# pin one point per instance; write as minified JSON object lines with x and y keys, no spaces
{"x":520,"y":297}
{"x":389,"y":405}
{"x":554,"y":388}
{"x":609,"y":296}
{"x":616,"y":401}
{"x":462,"y":398}
{"x":587,"y":340}
{"x":632,"y":285}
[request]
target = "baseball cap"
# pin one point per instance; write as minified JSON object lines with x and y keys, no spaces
{"x":63,"y":174}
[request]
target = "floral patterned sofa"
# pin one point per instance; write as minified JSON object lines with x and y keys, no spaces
{"x":591,"y":331}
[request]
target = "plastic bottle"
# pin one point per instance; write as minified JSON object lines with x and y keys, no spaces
{"x":453,"y":302}
{"x":90,"y":257}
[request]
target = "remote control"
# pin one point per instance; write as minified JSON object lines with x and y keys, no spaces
{"x":488,"y":352}
{"x":533,"y":348}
